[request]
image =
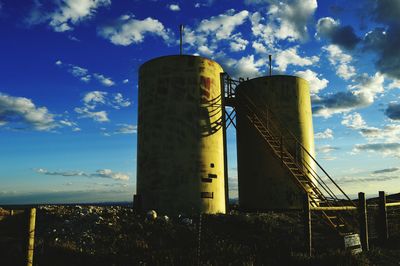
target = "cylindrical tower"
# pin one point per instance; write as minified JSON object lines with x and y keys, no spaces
{"x":180,"y":159}
{"x":265,"y":183}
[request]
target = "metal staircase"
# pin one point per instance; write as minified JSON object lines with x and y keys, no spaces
{"x":323,"y":192}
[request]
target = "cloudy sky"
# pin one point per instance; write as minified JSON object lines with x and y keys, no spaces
{"x":68,"y":85}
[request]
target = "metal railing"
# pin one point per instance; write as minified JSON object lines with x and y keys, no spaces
{"x":298,"y":154}
{"x":290,"y":151}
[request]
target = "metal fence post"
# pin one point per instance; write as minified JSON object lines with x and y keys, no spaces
{"x":383,"y":222}
{"x":31,"y":237}
{"x":199,"y":241}
{"x":307,"y":225}
{"x":363,"y":221}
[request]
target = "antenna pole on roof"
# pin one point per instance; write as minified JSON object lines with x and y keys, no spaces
{"x":270,"y":65}
{"x":180,"y":35}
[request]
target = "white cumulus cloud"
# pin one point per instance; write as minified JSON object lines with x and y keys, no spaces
{"x":387,"y":149}
{"x":22,"y":113}
{"x":98,"y":116}
{"x":259,"y":48}
{"x":93,"y":98}
{"x":107,"y":173}
{"x":238,"y":43}
{"x":67,"y":13}
{"x":119,"y":101}
{"x":102,"y":173}
{"x":361,"y":94}
{"x":245,"y":67}
{"x":326,"y":149}
{"x":290,"y":57}
{"x":395,"y":84}
{"x":128,"y":30}
{"x":222,"y":26}
{"x":353,"y":121}
{"x":174,"y":7}
{"x":106,"y":81}
{"x":84,"y":74}
{"x":316,"y":83}
{"x":286,"y":19}
{"x":327,"y":134}
{"x":341,"y":61}
{"x":292,"y":16}
{"x":121,"y":129}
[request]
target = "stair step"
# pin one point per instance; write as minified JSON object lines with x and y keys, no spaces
{"x":291,"y":163}
{"x":284,"y":157}
{"x":256,"y":117}
{"x":300,"y":176}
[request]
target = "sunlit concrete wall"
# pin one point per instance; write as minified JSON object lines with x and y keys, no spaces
{"x":180,"y":159}
{"x":264,"y":181}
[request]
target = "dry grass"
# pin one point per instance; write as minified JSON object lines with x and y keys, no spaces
{"x":122,"y":238}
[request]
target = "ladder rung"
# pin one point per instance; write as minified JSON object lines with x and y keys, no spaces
{"x":282,"y":156}
{"x":289,"y":162}
{"x":275,"y":143}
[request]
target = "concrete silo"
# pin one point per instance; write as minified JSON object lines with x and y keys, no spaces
{"x":180,"y":159}
{"x":265,"y":183}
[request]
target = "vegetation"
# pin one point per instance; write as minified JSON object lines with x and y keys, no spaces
{"x":116,"y":236}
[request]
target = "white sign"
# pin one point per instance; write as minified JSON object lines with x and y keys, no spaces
{"x":352,"y":242}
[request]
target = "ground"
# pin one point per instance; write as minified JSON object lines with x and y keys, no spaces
{"x":115,"y":235}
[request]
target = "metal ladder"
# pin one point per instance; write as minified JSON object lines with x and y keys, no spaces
{"x":322,"y":190}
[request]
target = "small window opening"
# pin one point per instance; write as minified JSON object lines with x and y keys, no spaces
{"x":212,"y":176}
{"x":207,"y":195}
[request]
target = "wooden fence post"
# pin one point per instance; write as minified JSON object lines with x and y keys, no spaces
{"x":383,"y":222}
{"x":137,"y":203}
{"x":31,"y":237}
{"x":307,"y":226}
{"x":363,"y":220}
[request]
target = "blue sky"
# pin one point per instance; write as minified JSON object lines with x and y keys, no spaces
{"x":68,"y":85}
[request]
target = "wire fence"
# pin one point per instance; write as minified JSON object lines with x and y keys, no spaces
{"x":13,"y":237}
{"x":77,"y":235}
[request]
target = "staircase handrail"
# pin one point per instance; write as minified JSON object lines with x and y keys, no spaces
{"x":283,"y":127}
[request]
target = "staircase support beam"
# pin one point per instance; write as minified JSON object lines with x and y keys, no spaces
{"x":363,"y":221}
{"x":307,"y":226}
